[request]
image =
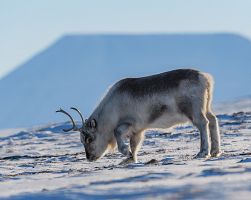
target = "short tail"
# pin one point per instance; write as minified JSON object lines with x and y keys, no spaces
{"x":209,"y":84}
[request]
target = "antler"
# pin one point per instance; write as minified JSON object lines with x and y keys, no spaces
{"x":83,"y":123}
{"x":74,"y":127}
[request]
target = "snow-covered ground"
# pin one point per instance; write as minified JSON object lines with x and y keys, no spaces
{"x":45,"y":163}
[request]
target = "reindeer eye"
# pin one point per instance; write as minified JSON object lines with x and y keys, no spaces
{"x":88,"y":140}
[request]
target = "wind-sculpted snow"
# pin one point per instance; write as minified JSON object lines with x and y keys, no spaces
{"x":46,"y":163}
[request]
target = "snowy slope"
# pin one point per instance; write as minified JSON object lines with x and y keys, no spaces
{"x":240,"y":104}
{"x":45,"y":163}
{"x":77,"y":69}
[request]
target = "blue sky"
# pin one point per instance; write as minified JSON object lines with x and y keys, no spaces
{"x":29,"y":26}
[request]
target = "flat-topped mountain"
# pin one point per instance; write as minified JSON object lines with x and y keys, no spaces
{"x":77,"y":70}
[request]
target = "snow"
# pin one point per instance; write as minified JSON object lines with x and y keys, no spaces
{"x":240,"y":104}
{"x":46,"y":163}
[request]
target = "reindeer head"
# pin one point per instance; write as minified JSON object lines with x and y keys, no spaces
{"x":94,"y":143}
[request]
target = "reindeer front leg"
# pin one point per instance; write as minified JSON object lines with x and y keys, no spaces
{"x":136,"y":139}
{"x":120,"y":133}
{"x":135,"y":144}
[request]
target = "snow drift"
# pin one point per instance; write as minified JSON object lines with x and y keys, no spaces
{"x":46,"y":163}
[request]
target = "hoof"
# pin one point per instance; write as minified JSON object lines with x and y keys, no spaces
{"x":216,"y":153}
{"x":127,"y":161}
{"x":203,"y":155}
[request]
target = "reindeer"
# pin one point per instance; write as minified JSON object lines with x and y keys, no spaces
{"x":133,"y":105}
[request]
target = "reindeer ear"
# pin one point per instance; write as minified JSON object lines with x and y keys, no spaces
{"x":93,"y":123}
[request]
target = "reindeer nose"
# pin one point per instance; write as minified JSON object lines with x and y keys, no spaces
{"x":90,"y":157}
